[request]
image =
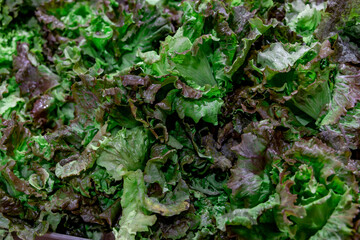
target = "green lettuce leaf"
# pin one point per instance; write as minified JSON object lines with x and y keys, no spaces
{"x":126,"y":151}
{"x":302,"y":17}
{"x":247,"y":217}
{"x":206,"y":109}
{"x":134,"y":218}
{"x":344,"y":97}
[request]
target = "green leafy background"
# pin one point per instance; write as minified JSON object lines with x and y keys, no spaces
{"x":164,"y":119}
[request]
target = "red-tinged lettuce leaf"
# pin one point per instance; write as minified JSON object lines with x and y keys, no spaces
{"x":287,"y":207}
{"x":15,"y":186}
{"x":321,"y":183}
{"x":33,"y":80}
{"x":74,"y":166}
{"x":345,"y":96}
{"x":151,"y":119}
{"x":344,"y":134}
{"x":40,"y":147}
{"x":325,"y":162}
{"x":260,"y":144}
{"x":9,"y":205}
{"x":14,"y":136}
{"x":85,"y":131}
{"x":257,"y":29}
{"x":154,"y":171}
{"x":212,"y":149}
{"x":189,"y":92}
{"x":248,"y":187}
{"x":65,"y":199}
{"x":12,"y":11}
{"x":173,"y":203}
{"x":28,"y":232}
{"x":179,"y":226}
{"x":88,"y":99}
{"x":346,"y":51}
{"x":304,"y":84}
{"x":338,"y":17}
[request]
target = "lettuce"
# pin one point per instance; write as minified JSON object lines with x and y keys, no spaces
{"x":154,"y":119}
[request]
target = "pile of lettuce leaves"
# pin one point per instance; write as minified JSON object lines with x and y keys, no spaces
{"x":164,"y":119}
